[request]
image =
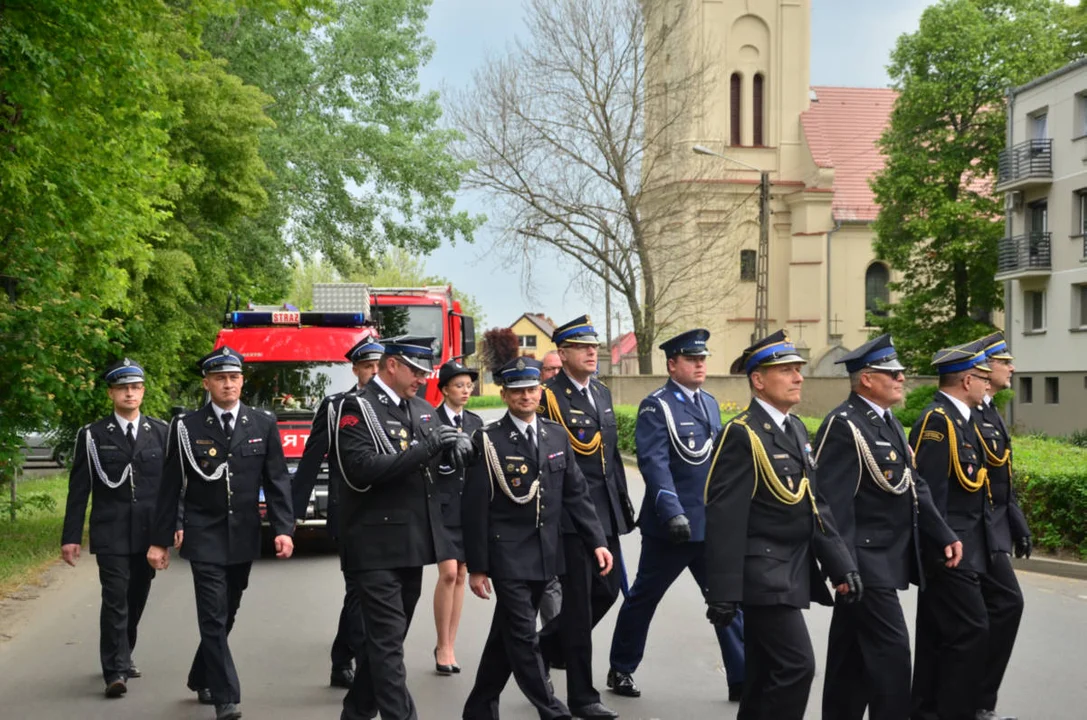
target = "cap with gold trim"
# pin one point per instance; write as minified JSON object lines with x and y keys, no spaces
{"x":878,"y":354}
{"x":996,"y":347}
{"x":774,"y":349}
{"x":959,"y":358}
{"x":579,"y":331}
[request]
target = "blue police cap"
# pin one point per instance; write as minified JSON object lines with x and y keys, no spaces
{"x":579,"y":331}
{"x":692,"y":342}
{"x":364,"y":350}
{"x":774,"y":349}
{"x":960,"y":357}
{"x":520,"y":372}
{"x":452,"y":369}
{"x":878,"y":354}
{"x":222,"y":360}
{"x":996,"y":347}
{"x":123,"y":372}
{"x":414,"y":350}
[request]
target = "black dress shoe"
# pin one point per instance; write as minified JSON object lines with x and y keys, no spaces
{"x":203,"y":696}
{"x":593,"y":711}
{"x":439,"y":668}
{"x":227,"y":711}
{"x":341,"y":677}
{"x":735,"y":692}
{"x":116,"y":687}
{"x":132,"y":672}
{"x":622,"y":683}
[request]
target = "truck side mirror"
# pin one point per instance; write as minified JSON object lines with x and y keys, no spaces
{"x":467,"y":335}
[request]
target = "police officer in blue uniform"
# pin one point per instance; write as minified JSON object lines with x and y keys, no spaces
{"x":674,"y":434}
{"x":579,"y":402}
{"x":523,"y":480}
{"x":883,"y":509}
{"x":218,"y":459}
{"x":999,"y":586}
{"x":117,"y":465}
{"x":770,"y":537}
{"x":363,"y":356}
{"x":952,"y":629}
{"x":388,"y":443}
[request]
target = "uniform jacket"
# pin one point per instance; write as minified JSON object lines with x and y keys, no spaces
{"x":450,"y":479}
{"x":390,"y":505}
{"x":603,"y":470}
{"x":317,"y":447}
{"x":512,"y":541}
{"x":759,"y":550}
{"x":673,"y":485}
{"x":1008,"y":522}
{"x":222,"y":521}
{"x":882,"y":530}
{"x":120,"y":517}
{"x":968,"y":513}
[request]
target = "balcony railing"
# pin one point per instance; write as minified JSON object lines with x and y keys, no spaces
{"x":1030,"y":160}
{"x":1024,"y":254}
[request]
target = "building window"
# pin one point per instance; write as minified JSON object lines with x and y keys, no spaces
{"x":757,"y":109}
{"x":748,"y":260}
{"x":876,"y":293}
{"x":526,"y":342}
{"x":1079,"y":306}
{"x":1039,"y":126}
{"x":734,"y":98}
{"x":1026,"y":390}
{"x":1079,"y":223}
{"x":1052,"y":391}
{"x":1081,"y":116}
{"x":1034,"y":310}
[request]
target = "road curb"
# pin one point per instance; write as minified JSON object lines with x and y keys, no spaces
{"x":1042,"y":565}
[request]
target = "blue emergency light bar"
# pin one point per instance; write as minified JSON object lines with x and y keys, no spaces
{"x":250,"y":318}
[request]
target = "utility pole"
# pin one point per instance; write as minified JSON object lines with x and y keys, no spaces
{"x":762,"y":263}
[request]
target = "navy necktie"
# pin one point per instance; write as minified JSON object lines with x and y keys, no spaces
{"x":228,"y":428}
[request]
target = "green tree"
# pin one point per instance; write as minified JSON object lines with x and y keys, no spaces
{"x":939,"y":220}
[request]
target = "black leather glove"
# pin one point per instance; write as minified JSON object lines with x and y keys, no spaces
{"x":679,"y":529}
{"x":721,"y":613}
{"x":1023,"y":547}
{"x":856,"y":589}
{"x":462,"y":451}
{"x":442,"y":438}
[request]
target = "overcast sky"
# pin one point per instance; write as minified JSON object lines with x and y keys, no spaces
{"x":851,"y":41}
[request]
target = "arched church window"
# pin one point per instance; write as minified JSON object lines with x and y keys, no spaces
{"x":876,"y":292}
{"x":734,"y":105}
{"x":757,"y":109}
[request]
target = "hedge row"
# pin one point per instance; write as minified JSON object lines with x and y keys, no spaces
{"x":1050,"y":478}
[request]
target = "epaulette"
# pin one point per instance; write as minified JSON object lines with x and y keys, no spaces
{"x":269,"y":413}
{"x":466,"y":411}
{"x":657,"y":392}
{"x":598,"y":381}
{"x":160,"y":421}
{"x":546,"y":421}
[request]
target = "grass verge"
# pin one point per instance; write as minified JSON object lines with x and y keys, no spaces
{"x":32,"y":542}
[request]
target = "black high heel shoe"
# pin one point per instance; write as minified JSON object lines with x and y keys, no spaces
{"x":456,"y":669}
{"x":442,"y":669}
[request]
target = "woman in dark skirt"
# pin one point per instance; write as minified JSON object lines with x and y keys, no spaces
{"x":456,"y":382}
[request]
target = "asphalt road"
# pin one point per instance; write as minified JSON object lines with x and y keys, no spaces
{"x":49,"y":657}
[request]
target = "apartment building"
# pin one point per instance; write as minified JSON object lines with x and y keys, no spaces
{"x":1043,"y":255}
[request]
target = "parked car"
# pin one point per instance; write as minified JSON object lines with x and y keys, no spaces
{"x":44,"y":447}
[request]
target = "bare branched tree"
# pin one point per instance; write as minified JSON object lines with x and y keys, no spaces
{"x":577,"y":135}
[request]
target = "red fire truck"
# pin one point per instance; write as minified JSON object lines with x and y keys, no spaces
{"x":294,"y":358}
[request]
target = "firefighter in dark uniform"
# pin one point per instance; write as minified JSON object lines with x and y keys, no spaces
{"x":766,"y":527}
{"x":999,"y":587}
{"x":674,"y":435}
{"x":387,"y":447}
{"x":118,"y":465}
{"x":883,"y":510}
{"x":455,"y":381}
{"x":363,"y":356}
{"x":218,"y":459}
{"x":579,"y":402}
{"x":952,"y":629}
{"x":523,"y":480}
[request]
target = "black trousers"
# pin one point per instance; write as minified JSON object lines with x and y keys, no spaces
{"x":1004,"y":603}
{"x":387,"y":599}
{"x":513,"y":647}
{"x":219,"y":591}
{"x":780,"y":663}
{"x":586,"y":598}
{"x":952,"y":639}
{"x":868,"y":659}
{"x":343,"y":652}
{"x":126,"y":582}
{"x":359,"y":704}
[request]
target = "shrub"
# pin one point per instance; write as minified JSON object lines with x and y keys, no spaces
{"x":916,"y":400}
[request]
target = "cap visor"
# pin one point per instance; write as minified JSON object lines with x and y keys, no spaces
{"x":127,"y":380}
{"x":892,"y":365}
{"x":1001,"y":356}
{"x":521,"y":384}
{"x":417,"y":363}
{"x":789,"y":359}
{"x":582,"y":340}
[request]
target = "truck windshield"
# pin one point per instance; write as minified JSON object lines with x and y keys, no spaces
{"x":419,"y":320}
{"x":296,"y":386}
